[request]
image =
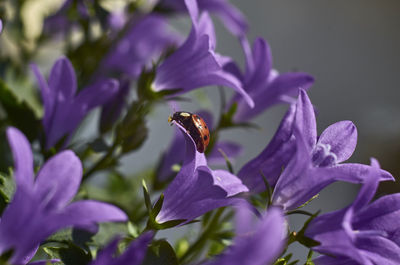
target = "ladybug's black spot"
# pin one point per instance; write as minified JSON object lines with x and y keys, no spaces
{"x":205,"y":127}
{"x":205,"y":137}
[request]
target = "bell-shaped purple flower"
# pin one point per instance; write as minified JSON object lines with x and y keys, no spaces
{"x":255,"y":243}
{"x":133,"y":255}
{"x":175,"y":154}
{"x":264,"y":85}
{"x":42,"y":205}
{"x":63,"y":108}
{"x":143,"y":43}
{"x":232,"y":18}
{"x":317,"y":162}
{"x":362,"y":233}
{"x":194,"y":64}
{"x":197,"y":189}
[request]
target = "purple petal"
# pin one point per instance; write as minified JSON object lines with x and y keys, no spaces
{"x":23,"y":159}
{"x":229,"y":182}
{"x":1,"y":26}
{"x":305,"y":119}
{"x":144,"y":42}
{"x":383,"y":215}
{"x":262,"y":59}
{"x":193,"y":10}
{"x":62,"y":79}
{"x":58,"y":180}
{"x":232,"y":18}
{"x":327,"y":260}
{"x":97,"y":94}
{"x":380,"y":250}
{"x":200,"y":194}
{"x":342,"y":138}
{"x":48,"y":96}
{"x":354,"y":173}
{"x":260,"y":246}
{"x":83,"y":213}
{"x":206,"y":27}
{"x":273,"y":158}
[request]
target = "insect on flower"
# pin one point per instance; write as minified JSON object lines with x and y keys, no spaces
{"x":195,"y":126}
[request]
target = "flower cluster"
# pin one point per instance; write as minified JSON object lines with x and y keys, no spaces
{"x":127,"y":61}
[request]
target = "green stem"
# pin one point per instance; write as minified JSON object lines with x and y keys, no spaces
{"x":198,"y":244}
{"x":99,"y":163}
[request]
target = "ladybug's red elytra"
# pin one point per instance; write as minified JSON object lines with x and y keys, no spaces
{"x":195,"y":126}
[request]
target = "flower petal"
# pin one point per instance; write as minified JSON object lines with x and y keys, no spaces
{"x":342,"y":138}
{"x":271,"y":160}
{"x":62,"y":79}
{"x":58,"y":180}
{"x":84,"y":213}
{"x":305,"y":119}
{"x":230,"y":16}
{"x":23,"y":159}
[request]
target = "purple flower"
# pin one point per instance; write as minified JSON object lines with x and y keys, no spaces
{"x":41,"y":205}
{"x":60,"y":23}
{"x":63,"y":110}
{"x":197,"y":189}
{"x":1,"y":26}
{"x":144,"y":42}
{"x":175,"y":154}
{"x":133,"y":255}
{"x":317,"y":162}
{"x":232,"y":18}
{"x":264,"y":85}
{"x":270,"y":162}
{"x":194,"y":64}
{"x":362,"y":233}
{"x":255,"y":243}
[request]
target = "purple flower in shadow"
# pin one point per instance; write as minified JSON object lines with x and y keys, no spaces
{"x":144,"y":42}
{"x":361,"y":233}
{"x":232,"y":18}
{"x":194,"y":64}
{"x":264,"y":85}
{"x":197,"y":189}
{"x":42,"y":205}
{"x":133,"y":255}
{"x":255,"y":243}
{"x":63,"y":110}
{"x":317,"y":161}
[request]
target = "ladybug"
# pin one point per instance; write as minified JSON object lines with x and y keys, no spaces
{"x":195,"y":126}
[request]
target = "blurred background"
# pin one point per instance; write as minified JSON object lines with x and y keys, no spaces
{"x":352,"y":48}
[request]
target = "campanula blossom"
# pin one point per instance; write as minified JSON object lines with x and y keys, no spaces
{"x":145,"y":41}
{"x":255,"y":243}
{"x":263,"y":83}
{"x":230,"y":16}
{"x":194,"y":64}
{"x":64,"y":108}
{"x":175,"y":154}
{"x":362,"y":233}
{"x":42,"y":205}
{"x":197,"y":189}
{"x":133,"y":254}
{"x":318,"y":160}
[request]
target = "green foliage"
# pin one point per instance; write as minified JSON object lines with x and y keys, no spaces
{"x":17,"y":113}
{"x":7,"y":188}
{"x":160,"y":253}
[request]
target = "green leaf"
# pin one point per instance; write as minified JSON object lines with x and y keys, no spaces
{"x":146,"y":196}
{"x":157,"y":207}
{"x":69,"y":255}
{"x":19,"y":114}
{"x":160,"y":253}
{"x":7,"y":188}
{"x":227,"y":161}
